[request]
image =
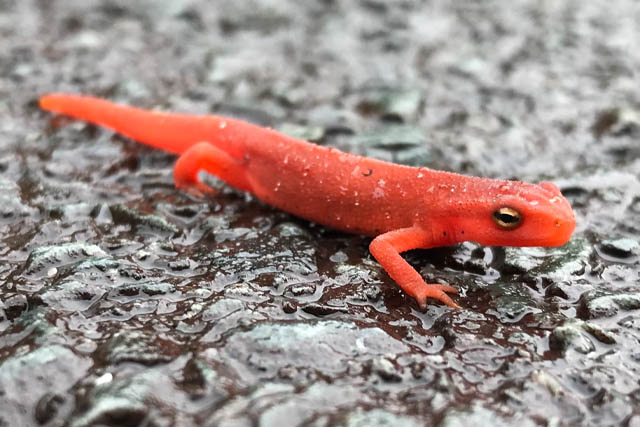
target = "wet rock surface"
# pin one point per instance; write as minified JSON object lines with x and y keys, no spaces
{"x":126,"y":302}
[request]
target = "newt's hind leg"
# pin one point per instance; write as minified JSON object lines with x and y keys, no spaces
{"x":386,"y":249}
{"x":207,"y":157}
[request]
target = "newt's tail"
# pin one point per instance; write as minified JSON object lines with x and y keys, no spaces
{"x":170,"y":132}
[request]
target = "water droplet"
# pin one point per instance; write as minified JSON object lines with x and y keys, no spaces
{"x":222,"y":125}
{"x":104,"y":379}
{"x":378,"y":193}
{"x":420,"y":175}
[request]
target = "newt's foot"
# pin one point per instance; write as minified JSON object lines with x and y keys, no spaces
{"x":438,"y":292}
{"x":197,"y":188}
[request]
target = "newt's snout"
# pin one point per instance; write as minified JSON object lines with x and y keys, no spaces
{"x":565,"y":220}
{"x":564,"y":227}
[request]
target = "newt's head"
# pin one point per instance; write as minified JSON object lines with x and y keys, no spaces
{"x":510,"y":213}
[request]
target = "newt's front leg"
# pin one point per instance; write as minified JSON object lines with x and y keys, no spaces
{"x":386,"y":249}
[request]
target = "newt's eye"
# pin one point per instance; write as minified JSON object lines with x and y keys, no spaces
{"x":507,"y":218}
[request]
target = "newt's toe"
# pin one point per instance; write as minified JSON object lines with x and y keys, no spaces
{"x":197,"y":189}
{"x":438,"y":292}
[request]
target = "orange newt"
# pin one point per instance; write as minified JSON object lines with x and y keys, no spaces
{"x":401,"y":207}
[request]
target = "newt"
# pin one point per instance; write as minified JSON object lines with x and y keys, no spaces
{"x":400,"y":207}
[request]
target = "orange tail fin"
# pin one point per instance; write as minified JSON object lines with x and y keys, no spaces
{"x":170,"y":132}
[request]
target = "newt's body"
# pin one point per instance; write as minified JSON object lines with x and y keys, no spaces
{"x":402,"y":207}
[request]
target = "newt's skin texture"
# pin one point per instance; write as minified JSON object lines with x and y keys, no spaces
{"x":402,"y":207}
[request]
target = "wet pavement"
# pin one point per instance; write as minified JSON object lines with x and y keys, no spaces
{"x":126,"y":302}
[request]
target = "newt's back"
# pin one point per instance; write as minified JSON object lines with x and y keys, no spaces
{"x":337,"y":189}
